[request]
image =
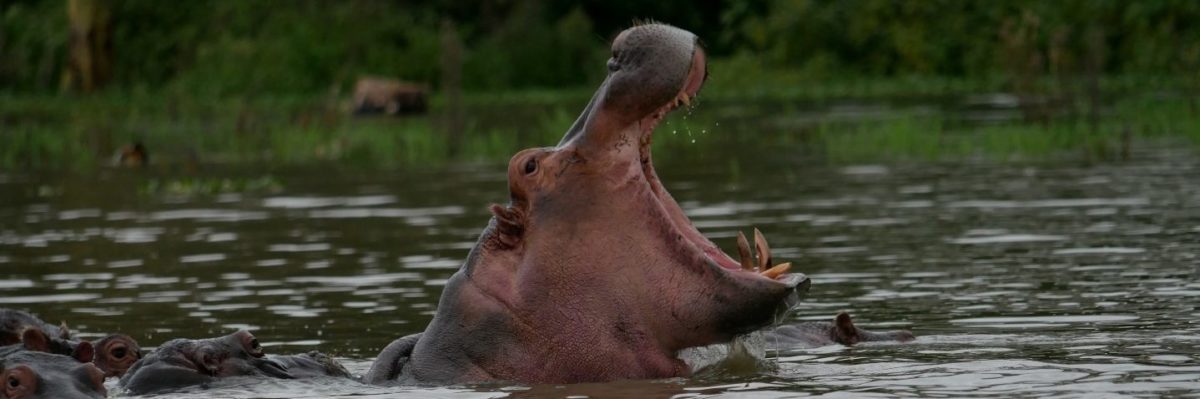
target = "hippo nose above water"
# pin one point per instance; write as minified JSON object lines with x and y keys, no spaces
{"x":652,"y":66}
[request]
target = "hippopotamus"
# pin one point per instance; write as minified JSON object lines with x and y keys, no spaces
{"x":592,"y":272}
{"x":34,"y":339}
{"x":26,"y":374}
{"x":312,"y":364}
{"x":113,"y":354}
{"x":15,"y":325}
{"x":181,"y":363}
{"x":839,"y":331}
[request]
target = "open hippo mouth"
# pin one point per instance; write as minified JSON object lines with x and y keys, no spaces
{"x":669,"y":45}
{"x":760,"y":261}
{"x":592,"y":272}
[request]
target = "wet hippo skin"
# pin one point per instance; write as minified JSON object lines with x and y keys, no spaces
{"x":592,"y":272}
{"x":190,"y":362}
{"x":839,"y":331}
{"x":16,"y":324}
{"x":311,"y":365}
{"x":113,"y":354}
{"x":26,"y":374}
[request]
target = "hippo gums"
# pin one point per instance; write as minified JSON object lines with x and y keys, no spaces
{"x":592,"y":272}
{"x":186,"y":362}
{"x":28,"y":374}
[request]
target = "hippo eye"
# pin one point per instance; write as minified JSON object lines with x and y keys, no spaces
{"x":613,"y":65}
{"x":530,"y":166}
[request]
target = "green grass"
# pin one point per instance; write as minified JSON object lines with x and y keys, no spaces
{"x":911,"y":137}
{"x":68,"y":132}
{"x":748,"y":79}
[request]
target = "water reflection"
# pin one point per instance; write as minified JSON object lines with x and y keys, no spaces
{"x":1018,"y":280}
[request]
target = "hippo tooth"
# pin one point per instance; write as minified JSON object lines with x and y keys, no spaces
{"x":777,"y":270}
{"x":743,"y":247}
{"x":764,"y":250}
{"x":686,"y":100}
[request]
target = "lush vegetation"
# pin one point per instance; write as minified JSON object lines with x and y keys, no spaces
{"x":312,"y":46}
{"x":267,"y":81}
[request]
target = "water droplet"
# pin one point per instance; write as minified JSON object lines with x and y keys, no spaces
{"x":693,"y":141}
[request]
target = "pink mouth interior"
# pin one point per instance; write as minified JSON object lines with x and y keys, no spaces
{"x":695,"y":79}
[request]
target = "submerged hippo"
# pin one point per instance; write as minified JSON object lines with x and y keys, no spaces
{"x":113,"y":354}
{"x":29,"y":374}
{"x":34,"y":339}
{"x":188,"y":362}
{"x":840,"y":331}
{"x":592,"y":272}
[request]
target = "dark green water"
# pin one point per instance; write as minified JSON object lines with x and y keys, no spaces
{"x":1035,"y":279}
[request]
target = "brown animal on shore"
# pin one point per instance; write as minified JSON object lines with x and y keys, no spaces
{"x":132,"y":156}
{"x":390,"y":96}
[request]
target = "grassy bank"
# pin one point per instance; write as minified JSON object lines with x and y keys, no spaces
{"x":919,"y":119}
{"x":1124,"y":125}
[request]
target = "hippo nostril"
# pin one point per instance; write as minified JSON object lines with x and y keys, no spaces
{"x":120,"y":353}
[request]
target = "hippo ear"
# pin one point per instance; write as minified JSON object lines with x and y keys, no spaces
{"x":844,"y":331}
{"x":250,"y":343}
{"x":35,"y":340}
{"x":63,"y":331}
{"x":84,"y":352}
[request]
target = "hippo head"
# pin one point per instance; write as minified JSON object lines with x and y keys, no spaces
{"x":31,"y":375}
{"x":184,"y":362}
{"x":35,"y":339}
{"x":592,"y":271}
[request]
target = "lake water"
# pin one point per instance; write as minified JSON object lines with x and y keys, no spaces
{"x":1048,"y":278}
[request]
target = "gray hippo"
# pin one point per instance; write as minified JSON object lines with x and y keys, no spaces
{"x":113,"y":353}
{"x":180,"y":363}
{"x":26,"y":374}
{"x":592,"y":272}
{"x":839,"y":331}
